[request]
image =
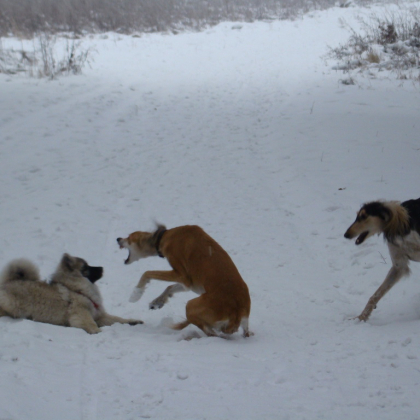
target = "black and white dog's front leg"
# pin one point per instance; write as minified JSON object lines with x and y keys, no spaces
{"x":394,"y":274}
{"x":169,"y":292}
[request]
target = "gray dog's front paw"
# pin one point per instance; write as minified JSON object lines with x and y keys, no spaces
{"x":156,"y":304}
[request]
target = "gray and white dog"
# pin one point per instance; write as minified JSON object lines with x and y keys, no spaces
{"x":70,"y":299}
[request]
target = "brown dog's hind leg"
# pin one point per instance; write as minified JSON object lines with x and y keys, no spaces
{"x":200,"y":314}
{"x":245,"y":328}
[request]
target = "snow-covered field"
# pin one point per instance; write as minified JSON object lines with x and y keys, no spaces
{"x":247,"y":132}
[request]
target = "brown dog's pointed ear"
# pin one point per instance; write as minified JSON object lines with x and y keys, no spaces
{"x":154,"y":237}
{"x":159,"y":228}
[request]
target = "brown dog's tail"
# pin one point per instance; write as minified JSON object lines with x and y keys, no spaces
{"x":181,"y":325}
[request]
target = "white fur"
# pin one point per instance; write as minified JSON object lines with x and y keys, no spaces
{"x":136,"y":294}
{"x":410,"y":245}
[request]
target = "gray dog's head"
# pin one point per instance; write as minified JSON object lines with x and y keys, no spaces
{"x":79,"y":265}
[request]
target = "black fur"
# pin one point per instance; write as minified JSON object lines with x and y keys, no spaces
{"x":157,"y":237}
{"x":413,"y":209}
{"x":377,"y":209}
{"x":92,"y":273}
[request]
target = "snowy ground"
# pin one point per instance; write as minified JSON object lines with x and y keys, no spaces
{"x":248,"y":133}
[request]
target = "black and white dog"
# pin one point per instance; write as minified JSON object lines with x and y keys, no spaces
{"x":400,"y":225}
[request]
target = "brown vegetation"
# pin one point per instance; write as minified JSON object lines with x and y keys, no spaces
{"x":27,"y":17}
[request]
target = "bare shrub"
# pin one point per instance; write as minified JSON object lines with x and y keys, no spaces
{"x":71,"y":61}
{"x":47,"y":58}
{"x":388,"y":42}
{"x":387,"y":33}
{"x":15,"y":61}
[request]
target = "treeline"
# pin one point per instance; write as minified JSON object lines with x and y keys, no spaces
{"x":27,"y":17}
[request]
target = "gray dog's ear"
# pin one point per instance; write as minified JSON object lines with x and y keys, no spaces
{"x":67,"y":262}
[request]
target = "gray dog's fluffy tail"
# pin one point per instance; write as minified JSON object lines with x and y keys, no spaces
{"x":20,"y":269}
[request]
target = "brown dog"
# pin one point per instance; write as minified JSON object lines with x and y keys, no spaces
{"x":199,"y":264}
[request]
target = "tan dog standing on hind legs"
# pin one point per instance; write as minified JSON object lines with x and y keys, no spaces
{"x":400,"y":225}
{"x":198,"y":264}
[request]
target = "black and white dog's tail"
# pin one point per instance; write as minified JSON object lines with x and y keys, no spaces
{"x":20,"y":269}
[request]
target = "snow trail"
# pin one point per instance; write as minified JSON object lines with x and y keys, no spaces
{"x":272,"y":156}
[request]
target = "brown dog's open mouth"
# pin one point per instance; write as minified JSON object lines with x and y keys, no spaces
{"x":121,"y":245}
{"x":360,"y":239}
{"x":128,"y":258}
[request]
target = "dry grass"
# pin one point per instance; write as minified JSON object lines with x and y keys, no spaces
{"x":390,"y":41}
{"x":373,"y":57}
{"x":27,"y":17}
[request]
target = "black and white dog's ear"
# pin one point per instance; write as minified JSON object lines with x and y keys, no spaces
{"x":377,"y":209}
{"x":386,"y":214}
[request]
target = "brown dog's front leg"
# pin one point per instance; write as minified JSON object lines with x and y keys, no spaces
{"x":140,"y":288}
{"x":168,"y":293}
{"x":149,"y":275}
{"x":394,"y":274}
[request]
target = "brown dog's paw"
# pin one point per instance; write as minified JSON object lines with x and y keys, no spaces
{"x":156,"y":304}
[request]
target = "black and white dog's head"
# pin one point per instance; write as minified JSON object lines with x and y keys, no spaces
{"x":371,"y":219}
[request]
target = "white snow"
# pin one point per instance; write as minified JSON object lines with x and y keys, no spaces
{"x":249,"y":134}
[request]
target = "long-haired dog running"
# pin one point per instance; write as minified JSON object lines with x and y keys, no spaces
{"x":199,"y":264}
{"x":400,"y":225}
{"x":70,"y":299}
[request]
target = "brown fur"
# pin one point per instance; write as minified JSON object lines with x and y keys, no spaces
{"x":398,"y":223}
{"x":199,"y":264}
